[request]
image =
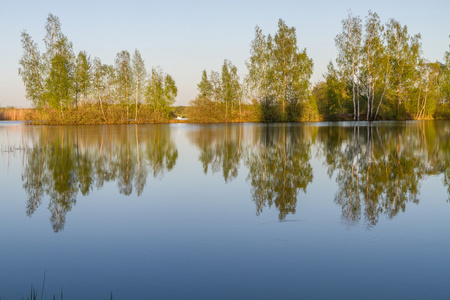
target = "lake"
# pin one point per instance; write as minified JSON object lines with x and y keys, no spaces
{"x":239,"y":211}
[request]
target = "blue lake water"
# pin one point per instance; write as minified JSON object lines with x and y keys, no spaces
{"x":240,"y":211}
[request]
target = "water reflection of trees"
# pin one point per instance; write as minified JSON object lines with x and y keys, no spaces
{"x":379,"y":167}
{"x":66,"y":161}
{"x":279,"y":167}
{"x":221,"y":148}
{"x":277,"y":157}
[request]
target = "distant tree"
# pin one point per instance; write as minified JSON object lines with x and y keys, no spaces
{"x":31,"y":70}
{"x":82,"y":77}
{"x":60,"y":81}
{"x":237,"y":87}
{"x":375,"y":64}
{"x":110,"y":75}
{"x":205,"y":87}
{"x":279,"y":71}
{"x":259,"y":64}
{"x":216,"y":83}
{"x":53,"y":35}
{"x":292,"y":68}
{"x":445,"y":81}
{"x":349,"y":50}
{"x":99,"y":84}
{"x":205,"y":107}
{"x":124,"y":79}
{"x":59,"y":59}
{"x":139,"y":78}
{"x":160,"y":94}
{"x":228,"y":91}
{"x":404,"y":52}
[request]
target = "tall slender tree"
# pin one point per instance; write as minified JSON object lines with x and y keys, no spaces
{"x":82,"y":77}
{"x":31,"y":70}
{"x":124,"y":79}
{"x":59,"y":59}
{"x":98,"y":83}
{"x":279,"y":70}
{"x":374,"y":62}
{"x":205,"y":86}
{"x":139,"y":78}
{"x":445,"y":81}
{"x":259,"y":64}
{"x":349,"y":49}
{"x":216,"y":83}
{"x":404,"y":53}
{"x":161,"y":93}
{"x":228,"y":91}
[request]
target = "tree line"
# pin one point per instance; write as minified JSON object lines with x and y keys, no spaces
{"x":380,"y":73}
{"x":277,"y":87}
{"x":70,"y":88}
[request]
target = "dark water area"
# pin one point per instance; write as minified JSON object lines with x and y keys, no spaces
{"x":240,"y":211}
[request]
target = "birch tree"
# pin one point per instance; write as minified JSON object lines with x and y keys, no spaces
{"x":99,"y":85}
{"x":279,"y":70}
{"x":31,"y":70}
{"x":445,"y":81}
{"x":404,"y":53}
{"x":160,"y":94}
{"x":139,"y":78}
{"x":205,"y":87}
{"x":82,"y":77}
{"x":124,"y":79}
{"x":348,"y":43}
{"x":59,"y":60}
{"x":259,"y":63}
{"x":375,"y":65}
{"x":228,"y":91}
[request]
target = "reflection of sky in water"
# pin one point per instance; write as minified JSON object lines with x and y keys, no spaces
{"x":190,"y":235}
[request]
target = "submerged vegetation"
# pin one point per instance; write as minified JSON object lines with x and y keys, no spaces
{"x":379,"y":73}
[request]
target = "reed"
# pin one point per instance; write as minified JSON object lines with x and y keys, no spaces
{"x":14,"y":114}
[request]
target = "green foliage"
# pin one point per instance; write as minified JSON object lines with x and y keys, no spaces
{"x":140,"y":77}
{"x":160,"y":94}
{"x":57,"y":82}
{"x":204,"y":110}
{"x":31,"y":70}
{"x":124,"y":78}
{"x":279,"y":70}
{"x":205,"y":87}
{"x":445,"y":79}
{"x":382,"y":71}
{"x":220,"y":97}
{"x":83,"y":77}
{"x":348,"y":43}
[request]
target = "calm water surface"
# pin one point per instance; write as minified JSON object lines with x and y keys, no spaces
{"x":251,"y":211}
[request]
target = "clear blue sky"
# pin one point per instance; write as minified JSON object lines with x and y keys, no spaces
{"x":185,"y":37}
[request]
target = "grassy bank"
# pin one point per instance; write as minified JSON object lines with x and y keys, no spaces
{"x":90,"y":114}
